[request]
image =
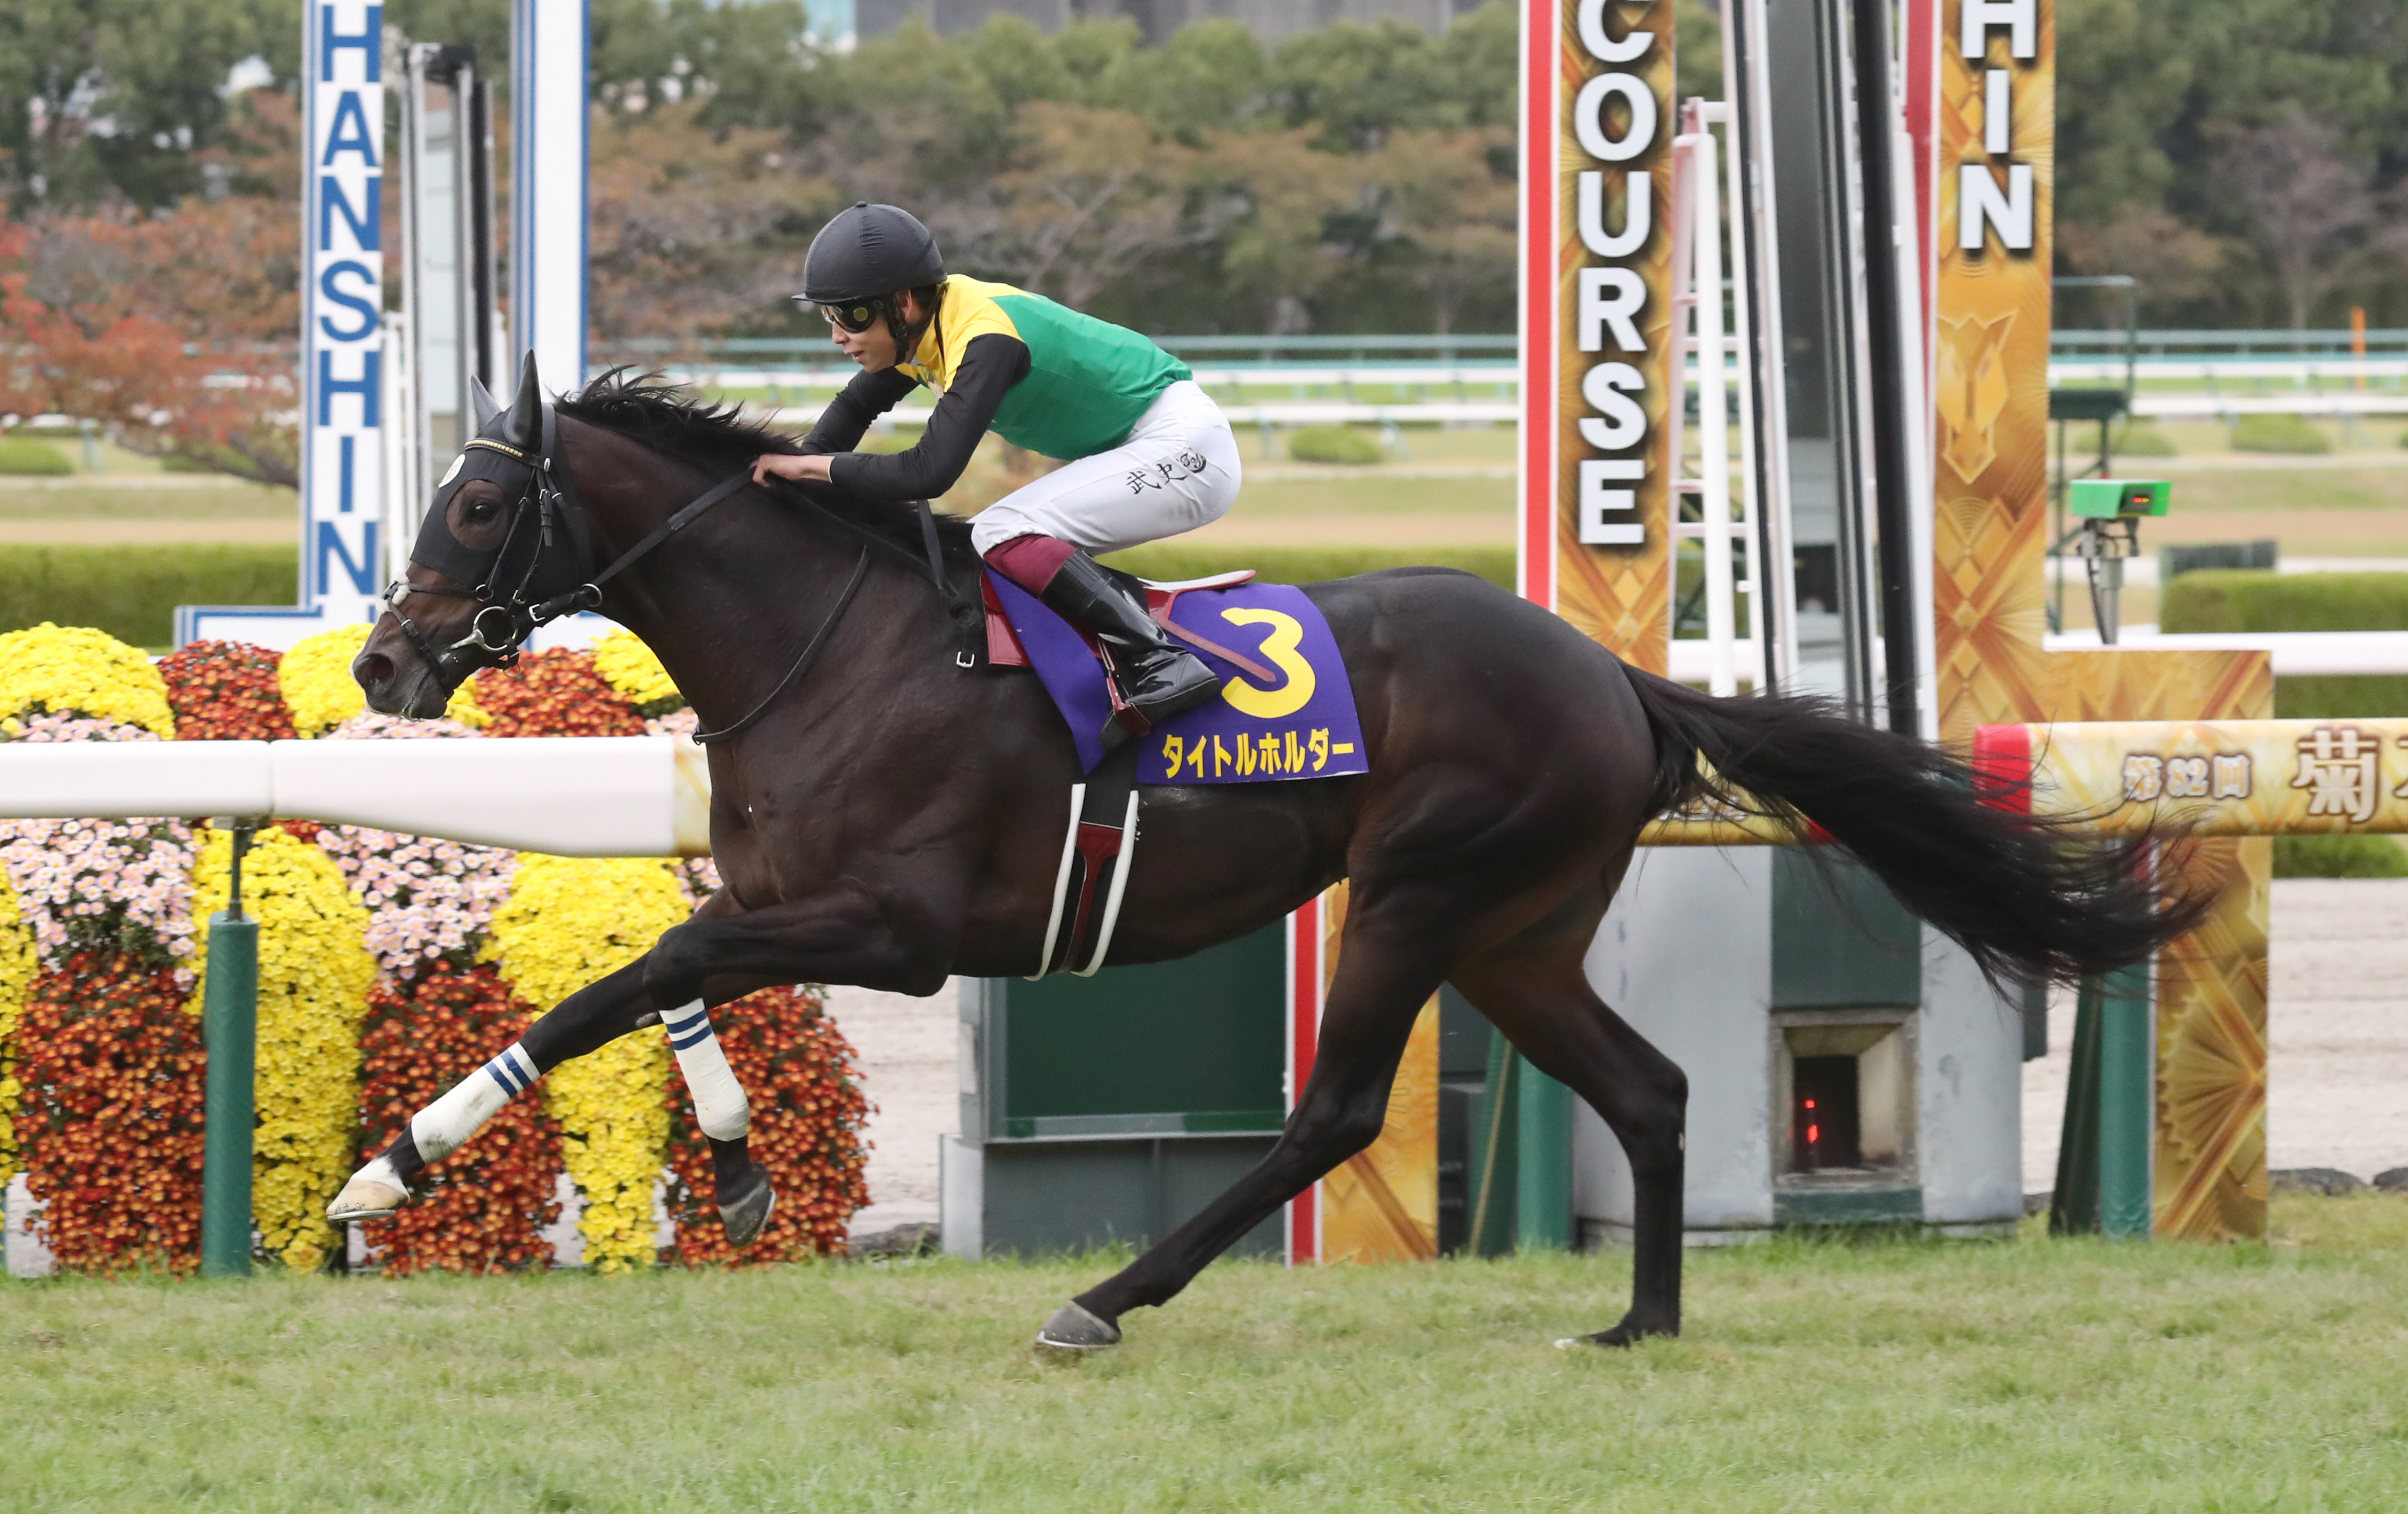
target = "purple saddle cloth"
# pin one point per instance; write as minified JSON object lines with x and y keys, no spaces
{"x":1299,"y":723}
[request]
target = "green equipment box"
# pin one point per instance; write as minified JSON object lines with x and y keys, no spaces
{"x":2107,"y":499}
{"x":1111,"y":1109}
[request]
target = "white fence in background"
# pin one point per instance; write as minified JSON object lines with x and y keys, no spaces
{"x":1483,"y":394}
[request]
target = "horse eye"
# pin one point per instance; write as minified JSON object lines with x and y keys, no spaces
{"x":480,"y":509}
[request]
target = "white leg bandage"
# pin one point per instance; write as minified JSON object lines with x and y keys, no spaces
{"x":444,"y":1126}
{"x":720,"y":1106}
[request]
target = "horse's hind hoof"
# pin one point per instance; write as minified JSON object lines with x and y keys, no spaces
{"x":745,"y":1206}
{"x":1620,"y":1337}
{"x":1073,"y":1329}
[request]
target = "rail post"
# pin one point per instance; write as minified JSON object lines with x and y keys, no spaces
{"x":2073,"y":1207}
{"x":2103,"y":1165}
{"x":230,"y":1029}
{"x":1543,"y":1199}
{"x":2127,"y":1103}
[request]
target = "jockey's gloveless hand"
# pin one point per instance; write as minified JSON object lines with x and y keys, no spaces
{"x":784,"y":465}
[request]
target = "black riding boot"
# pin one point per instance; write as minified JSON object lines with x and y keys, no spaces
{"x":1156,"y":678}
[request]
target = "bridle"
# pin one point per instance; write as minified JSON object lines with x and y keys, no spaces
{"x":498,"y":631}
{"x":519,"y":598}
{"x":512,"y":593}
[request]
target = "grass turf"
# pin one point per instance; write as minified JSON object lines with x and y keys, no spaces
{"x":2032,"y":1375}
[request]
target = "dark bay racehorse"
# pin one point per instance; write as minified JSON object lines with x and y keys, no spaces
{"x":892,"y":819}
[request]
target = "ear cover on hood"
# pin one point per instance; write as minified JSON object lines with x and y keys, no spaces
{"x":523,"y":427}
{"x":482,"y":402}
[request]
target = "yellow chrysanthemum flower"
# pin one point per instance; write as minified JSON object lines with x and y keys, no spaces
{"x":569,"y":921}
{"x":18,"y":965}
{"x":61,"y":667}
{"x":630,"y":667}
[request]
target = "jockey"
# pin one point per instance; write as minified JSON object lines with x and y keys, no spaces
{"x":1146,"y":452}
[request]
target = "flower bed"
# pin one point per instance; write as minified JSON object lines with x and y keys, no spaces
{"x":390,"y":967}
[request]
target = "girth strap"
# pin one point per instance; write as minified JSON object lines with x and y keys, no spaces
{"x":1095,"y":857}
{"x":970,"y":621}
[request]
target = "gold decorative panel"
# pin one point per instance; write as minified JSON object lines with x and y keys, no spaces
{"x":1382,"y":1204}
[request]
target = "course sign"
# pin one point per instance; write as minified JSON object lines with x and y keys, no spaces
{"x":1597,"y":330}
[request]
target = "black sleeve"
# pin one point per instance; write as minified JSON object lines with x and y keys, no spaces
{"x":869,"y":395}
{"x":990,"y":364}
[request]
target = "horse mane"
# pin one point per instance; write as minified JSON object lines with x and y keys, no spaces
{"x":647,"y":408}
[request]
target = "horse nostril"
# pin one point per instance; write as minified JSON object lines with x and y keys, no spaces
{"x":372,"y":670}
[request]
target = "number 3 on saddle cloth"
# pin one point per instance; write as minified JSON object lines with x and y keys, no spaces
{"x":1285,"y":710}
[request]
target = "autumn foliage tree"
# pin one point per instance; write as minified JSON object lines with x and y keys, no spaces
{"x":175,"y":331}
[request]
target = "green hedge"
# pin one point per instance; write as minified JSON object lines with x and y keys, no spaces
{"x":2138,"y":438}
{"x":1169,"y":561}
{"x":2233,"y":600}
{"x":1332,"y":444}
{"x":2339,"y":857}
{"x":131,"y":592}
{"x":24,"y":457}
{"x":2279,"y":434}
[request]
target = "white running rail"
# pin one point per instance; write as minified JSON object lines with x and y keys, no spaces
{"x":570,"y":796}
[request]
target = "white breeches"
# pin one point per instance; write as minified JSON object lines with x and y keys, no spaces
{"x":1178,"y":470}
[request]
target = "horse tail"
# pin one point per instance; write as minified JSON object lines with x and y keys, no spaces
{"x":2014,"y":889}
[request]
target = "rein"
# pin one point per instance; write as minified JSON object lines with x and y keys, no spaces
{"x":810,"y":650}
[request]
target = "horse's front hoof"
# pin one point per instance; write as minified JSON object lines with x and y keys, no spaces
{"x":745,"y":1204}
{"x":1073,"y":1329}
{"x":367,"y":1198}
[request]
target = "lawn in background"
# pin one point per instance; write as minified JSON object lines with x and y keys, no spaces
{"x":1909,"y":1376}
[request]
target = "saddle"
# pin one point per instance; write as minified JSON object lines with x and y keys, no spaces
{"x":1003,"y":648}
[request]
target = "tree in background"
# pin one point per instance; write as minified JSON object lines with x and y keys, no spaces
{"x":2312,"y":208}
{"x":2155,"y":99}
{"x":1091,"y":196}
{"x":122,"y":98}
{"x":691,"y":229}
{"x":174,"y":331}
{"x":1452,"y":201}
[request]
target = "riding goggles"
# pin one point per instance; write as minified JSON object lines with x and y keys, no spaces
{"x":855,"y":315}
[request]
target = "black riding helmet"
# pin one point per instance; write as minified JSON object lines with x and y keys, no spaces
{"x":865,"y":257}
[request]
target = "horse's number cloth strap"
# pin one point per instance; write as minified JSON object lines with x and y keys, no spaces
{"x":1097,"y":854}
{"x":1302,"y":725}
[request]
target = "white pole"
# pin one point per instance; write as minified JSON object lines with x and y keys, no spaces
{"x":1714,"y":439}
{"x":1751,"y":504}
{"x":548,"y":45}
{"x":401,"y":439}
